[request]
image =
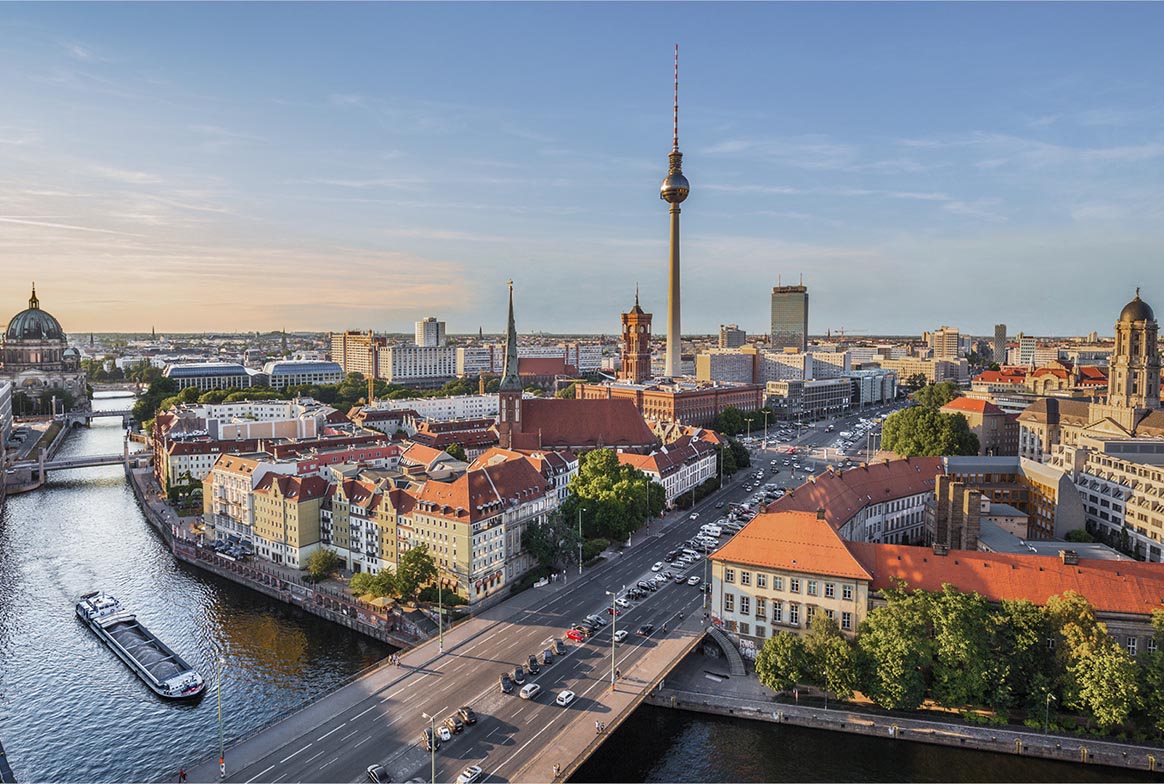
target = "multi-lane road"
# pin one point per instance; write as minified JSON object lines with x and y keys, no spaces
{"x":384,"y":726}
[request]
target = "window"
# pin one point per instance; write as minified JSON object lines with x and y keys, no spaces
{"x":761,"y":608}
{"x":846,"y":621}
{"x":777,"y":583}
{"x":729,"y":602}
{"x":812,"y":588}
{"x":830,"y":590}
{"x":761,"y":631}
{"x":794,"y":584}
{"x":1151,"y":645}
{"x":777,"y":612}
{"x":745,"y":578}
{"x":745,"y":605}
{"x":847,"y":593}
{"x":809,"y":614}
{"x":830,"y":615}
{"x":761,"y":581}
{"x":1132,"y":646}
{"x":729,"y":575}
{"x":744,"y":628}
{"x":794,"y":614}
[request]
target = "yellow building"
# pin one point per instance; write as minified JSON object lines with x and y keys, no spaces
{"x":286,"y":517}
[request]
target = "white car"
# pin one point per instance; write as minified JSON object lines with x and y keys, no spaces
{"x":660,"y":578}
{"x":694,"y":516}
{"x":658,"y":565}
{"x":620,"y":635}
{"x":621,"y":602}
{"x":444,"y":734}
{"x":470,"y":775}
{"x":530,"y":691}
{"x":693,"y":580}
{"x":564,"y":697}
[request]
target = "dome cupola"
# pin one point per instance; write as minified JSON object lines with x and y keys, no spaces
{"x":33,"y":323}
{"x":1137,"y":310}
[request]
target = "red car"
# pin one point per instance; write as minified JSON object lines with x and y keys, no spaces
{"x":612,"y":611}
{"x":575,"y":635}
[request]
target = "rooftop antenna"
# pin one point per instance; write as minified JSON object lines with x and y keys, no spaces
{"x":636,"y":293}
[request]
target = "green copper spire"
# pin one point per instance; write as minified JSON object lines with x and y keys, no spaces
{"x":509,"y":378}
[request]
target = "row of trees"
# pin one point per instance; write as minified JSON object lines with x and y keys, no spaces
{"x":963,"y":652}
{"x":924,"y":431}
{"x":414,"y":570}
{"x":732,"y":421}
{"x":24,"y":404}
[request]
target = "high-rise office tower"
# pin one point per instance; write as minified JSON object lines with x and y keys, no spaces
{"x":790,"y":317}
{"x":946,"y":343}
{"x":731,"y":336}
{"x":1000,"y":343}
{"x":673,"y":191}
{"x":430,"y":332}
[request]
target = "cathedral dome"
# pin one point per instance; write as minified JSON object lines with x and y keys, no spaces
{"x":33,"y":324}
{"x":1137,"y":310}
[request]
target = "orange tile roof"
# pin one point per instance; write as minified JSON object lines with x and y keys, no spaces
{"x":541,"y":366}
{"x":972,"y":405}
{"x":796,"y":541}
{"x":552,"y":423}
{"x":482,"y":492}
{"x":1110,"y":586}
{"x":844,"y":493}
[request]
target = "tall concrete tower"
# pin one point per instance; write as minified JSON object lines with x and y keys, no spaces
{"x":673,"y":191}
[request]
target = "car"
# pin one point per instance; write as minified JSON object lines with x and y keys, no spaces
{"x":658,"y":565}
{"x":547,"y":657}
{"x":680,"y":579}
{"x":470,"y":775}
{"x":598,"y":619}
{"x":694,"y":516}
{"x":693,"y":580}
{"x":530,"y":691}
{"x":454,"y":723}
{"x":719,"y":505}
{"x":669,"y":574}
{"x":444,"y":733}
{"x":564,"y":698}
{"x":576,"y":635}
{"x":519,"y":675}
{"x":430,"y":740}
{"x":505,"y":683}
{"x":533,"y":666}
{"x":559,"y":647}
{"x":377,"y":774}
{"x":669,"y":557}
{"x":645,"y":629}
{"x":467,"y":715}
{"x":642,"y":584}
{"x":622,"y":602}
{"x":659,"y":580}
{"x":620,"y":635}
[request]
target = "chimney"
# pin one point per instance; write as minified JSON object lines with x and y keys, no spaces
{"x":820,"y":513}
{"x":1069,"y":557}
{"x":941,"y":549}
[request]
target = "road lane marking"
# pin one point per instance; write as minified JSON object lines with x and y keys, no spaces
{"x":315,"y":756}
{"x":321,"y":767}
{"x":361,"y":713}
{"x":274,"y":781}
{"x":261,"y":773}
{"x":350,"y":734}
{"x":365,"y":740}
{"x":520,"y":750}
{"x":337,"y":729}
{"x":292,"y":754}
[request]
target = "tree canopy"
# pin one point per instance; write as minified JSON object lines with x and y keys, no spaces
{"x":920,"y":431}
{"x":414,"y":569}
{"x":615,"y":498}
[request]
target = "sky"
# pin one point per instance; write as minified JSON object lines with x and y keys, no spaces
{"x":220,"y":166}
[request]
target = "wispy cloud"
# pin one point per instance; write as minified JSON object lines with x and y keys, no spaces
{"x":81,"y":53}
{"x":126,"y":176}
{"x":802,"y":152}
{"x":406,"y":183}
{"x":70,"y":227}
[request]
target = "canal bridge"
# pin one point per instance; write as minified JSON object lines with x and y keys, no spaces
{"x":379,"y":718}
{"x":78,"y":418}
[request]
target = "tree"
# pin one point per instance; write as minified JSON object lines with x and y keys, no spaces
{"x":616,"y":497}
{"x":321,"y":563}
{"x":894,"y":640}
{"x":781,"y":663}
{"x":382,"y":584}
{"x":914,"y":381}
{"x":1106,"y":678}
{"x":934,"y":396}
{"x":963,"y":647}
{"x":569,"y":392}
{"x":147,"y":405}
{"x":730,"y":421}
{"x":552,"y":541}
{"x":830,"y":658}
{"x":921,"y":431}
{"x":1077,"y":634}
{"x":1079,"y":535}
{"x":1152,"y":675}
{"x":740,"y":454}
{"x":457,"y":451}
{"x":726,"y":460}
{"x":414,"y":570}
{"x":1022,"y":669}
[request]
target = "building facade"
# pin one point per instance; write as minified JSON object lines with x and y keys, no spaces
{"x":206,"y":376}
{"x":999,"y":345}
{"x":789,"y":318}
{"x":731,"y":336}
{"x":636,"y":344}
{"x":36,"y":358}
{"x":430,"y":333}
{"x":285,"y":373}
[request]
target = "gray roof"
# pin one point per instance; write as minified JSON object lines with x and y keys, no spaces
{"x":284,"y":367}
{"x":203,"y":369}
{"x":994,"y":539}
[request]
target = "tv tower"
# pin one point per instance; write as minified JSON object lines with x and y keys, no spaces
{"x":673,"y":191}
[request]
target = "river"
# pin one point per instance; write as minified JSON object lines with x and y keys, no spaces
{"x":71,"y":711}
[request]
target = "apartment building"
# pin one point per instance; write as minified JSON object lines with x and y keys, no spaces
{"x":442,"y":408}
{"x":678,"y":467}
{"x":430,"y":333}
{"x":285,"y":373}
{"x":286,"y":517}
{"x":355,"y":352}
{"x":416,"y":364}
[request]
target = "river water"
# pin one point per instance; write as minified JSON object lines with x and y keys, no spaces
{"x":71,"y":711}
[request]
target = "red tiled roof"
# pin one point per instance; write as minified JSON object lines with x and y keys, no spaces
{"x":552,"y":423}
{"x":1110,"y":586}
{"x":844,"y":493}
{"x":972,"y":405}
{"x":1000,"y":377}
{"x":796,"y":541}
{"x":541,"y":366}
{"x":483,"y":492}
{"x":299,"y":488}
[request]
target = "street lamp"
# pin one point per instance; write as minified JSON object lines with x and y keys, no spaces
{"x":613,"y":623}
{"x":581,"y":509}
{"x":1047,"y":712}
{"x":432,"y":743}
{"x":219,"y":663}
{"x":440,"y":614}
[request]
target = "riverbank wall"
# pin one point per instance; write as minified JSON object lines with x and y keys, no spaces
{"x":6,"y":774}
{"x":1065,"y":748}
{"x":387,"y":626}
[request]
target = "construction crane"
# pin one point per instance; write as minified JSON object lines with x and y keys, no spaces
{"x":843,"y":330}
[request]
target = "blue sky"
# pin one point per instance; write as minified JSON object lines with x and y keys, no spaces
{"x":223,"y":166}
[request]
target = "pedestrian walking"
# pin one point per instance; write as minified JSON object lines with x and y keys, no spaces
{"x":557,"y":770}
{"x":618,"y":675}
{"x":181,"y":775}
{"x":597,"y":728}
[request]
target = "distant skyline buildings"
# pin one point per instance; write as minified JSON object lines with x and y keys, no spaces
{"x":291,"y":181}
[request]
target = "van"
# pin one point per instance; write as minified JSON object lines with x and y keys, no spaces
{"x":690,"y":552}
{"x":713,"y":530}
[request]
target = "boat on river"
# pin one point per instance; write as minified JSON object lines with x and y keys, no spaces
{"x":151,"y":659}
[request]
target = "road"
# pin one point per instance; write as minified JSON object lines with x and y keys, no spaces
{"x":385,"y":727}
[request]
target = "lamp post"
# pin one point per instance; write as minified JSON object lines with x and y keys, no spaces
{"x":440,"y":614}
{"x":432,"y":743}
{"x":1047,"y":712}
{"x":766,"y":412}
{"x":613,"y":623}
{"x":581,"y":509}
{"x":219,"y":663}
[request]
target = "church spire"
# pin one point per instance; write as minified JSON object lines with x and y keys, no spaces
{"x":33,"y":302}
{"x":509,"y":376}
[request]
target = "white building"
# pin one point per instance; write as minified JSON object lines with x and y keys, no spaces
{"x":301,"y":418}
{"x":412,"y":364}
{"x":679,"y":467}
{"x":206,"y":376}
{"x":285,"y":373}
{"x":430,"y":333}
{"x":445,"y":408}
